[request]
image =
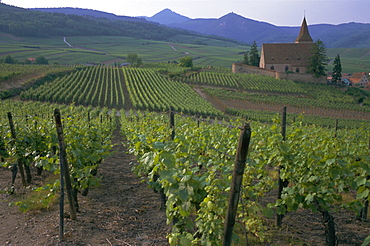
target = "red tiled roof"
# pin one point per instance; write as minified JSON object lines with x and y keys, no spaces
{"x":358,"y":75}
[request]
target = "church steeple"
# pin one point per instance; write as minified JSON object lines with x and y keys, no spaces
{"x":304,"y":35}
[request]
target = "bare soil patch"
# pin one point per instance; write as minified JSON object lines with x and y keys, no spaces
{"x":19,"y":82}
{"x":10,"y":36}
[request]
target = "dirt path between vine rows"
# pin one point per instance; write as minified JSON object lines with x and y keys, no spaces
{"x":122,"y":211}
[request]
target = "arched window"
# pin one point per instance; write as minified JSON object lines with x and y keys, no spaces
{"x":286,"y":68}
{"x":272,"y":68}
{"x":297,"y":70}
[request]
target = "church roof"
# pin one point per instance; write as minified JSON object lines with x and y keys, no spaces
{"x":296,"y":54}
{"x":304,"y":35}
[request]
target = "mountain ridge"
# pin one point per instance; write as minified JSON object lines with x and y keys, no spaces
{"x":346,"y":35}
{"x":167,"y":17}
{"x":242,"y":29}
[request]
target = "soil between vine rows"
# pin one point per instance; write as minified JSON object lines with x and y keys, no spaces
{"x":124,"y":211}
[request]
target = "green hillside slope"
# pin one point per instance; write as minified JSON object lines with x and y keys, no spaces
{"x":114,"y":49}
{"x":23,"y":22}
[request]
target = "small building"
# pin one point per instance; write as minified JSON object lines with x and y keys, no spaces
{"x":346,"y":81}
{"x":359,"y":79}
{"x":288,"y":57}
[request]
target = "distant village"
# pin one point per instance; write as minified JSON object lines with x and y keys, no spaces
{"x":357,"y":79}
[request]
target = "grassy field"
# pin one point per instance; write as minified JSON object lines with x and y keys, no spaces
{"x":352,"y":60}
{"x":114,"y":49}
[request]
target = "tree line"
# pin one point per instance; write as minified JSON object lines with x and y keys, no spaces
{"x":40,"y":60}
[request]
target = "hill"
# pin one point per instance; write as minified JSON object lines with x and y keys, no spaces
{"x":89,"y":12}
{"x":239,"y":28}
{"x":167,"y":17}
{"x":234,"y":26}
{"x":242,"y":29}
{"x":29,"y":23}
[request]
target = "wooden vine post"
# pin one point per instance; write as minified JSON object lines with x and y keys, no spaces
{"x":172,"y":123}
{"x":363,"y":212}
{"x":20,"y":161}
{"x":240,"y":161}
{"x":64,"y":175}
{"x":281,"y":183}
{"x":336,"y":127}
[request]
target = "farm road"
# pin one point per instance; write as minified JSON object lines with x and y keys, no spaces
{"x":82,"y":48}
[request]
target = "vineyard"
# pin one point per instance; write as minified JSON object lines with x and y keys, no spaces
{"x":298,"y":163}
{"x":16,"y":78}
{"x":251,"y":82}
{"x":191,"y":165}
{"x":194,"y":170}
{"x":158,"y":88}
{"x":104,"y":86}
{"x":28,"y":140}
{"x":268,"y":116}
{"x":96,"y":86}
{"x":148,"y":90}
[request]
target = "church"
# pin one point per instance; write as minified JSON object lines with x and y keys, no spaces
{"x":288,"y":57}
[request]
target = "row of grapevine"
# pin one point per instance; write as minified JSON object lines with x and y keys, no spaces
{"x":149,"y":90}
{"x":287,"y":100}
{"x":10,"y":72}
{"x":87,"y":133}
{"x":195,"y":168}
{"x":214,"y":79}
{"x":257,"y":82}
{"x":245,"y":81}
{"x":267,"y":116}
{"x":97,"y":86}
{"x":324,"y":92}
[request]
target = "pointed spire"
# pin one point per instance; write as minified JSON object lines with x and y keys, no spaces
{"x":304,"y":35}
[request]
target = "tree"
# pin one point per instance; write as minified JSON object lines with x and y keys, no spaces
{"x":27,"y":61}
{"x":9,"y":60}
{"x":318,"y":59}
{"x":254,"y":58}
{"x":186,"y":61}
{"x":134,"y":59}
{"x":41,"y":60}
{"x":337,"y":70}
{"x":246,"y":58}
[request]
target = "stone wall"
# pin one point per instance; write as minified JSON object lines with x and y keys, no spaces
{"x":242,"y":68}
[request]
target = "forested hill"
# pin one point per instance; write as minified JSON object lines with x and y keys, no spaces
{"x":90,"y":12}
{"x":31,"y":23}
{"x":236,"y":27}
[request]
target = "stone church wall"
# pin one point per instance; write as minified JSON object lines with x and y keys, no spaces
{"x":242,"y":68}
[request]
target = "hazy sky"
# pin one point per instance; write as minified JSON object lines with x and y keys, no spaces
{"x":277,"y":12}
